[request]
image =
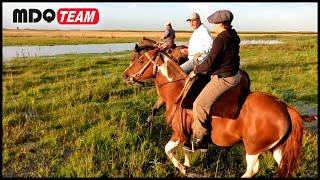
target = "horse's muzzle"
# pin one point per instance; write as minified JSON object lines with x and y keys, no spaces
{"x":128,"y":80}
{"x":132,"y":80}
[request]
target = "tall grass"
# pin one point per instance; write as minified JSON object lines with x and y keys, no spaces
{"x":72,"y":116}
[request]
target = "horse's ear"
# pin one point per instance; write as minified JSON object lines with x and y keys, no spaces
{"x":144,"y":38}
{"x":136,"y":47}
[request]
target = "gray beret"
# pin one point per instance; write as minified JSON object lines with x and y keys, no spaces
{"x":221,"y":16}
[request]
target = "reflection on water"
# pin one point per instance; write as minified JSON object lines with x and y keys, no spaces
{"x":9,"y":52}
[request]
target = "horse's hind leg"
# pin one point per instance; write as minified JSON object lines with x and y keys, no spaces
{"x":252,"y":165}
{"x":187,"y":158}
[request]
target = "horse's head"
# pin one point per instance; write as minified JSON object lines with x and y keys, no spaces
{"x":138,"y":52}
{"x":141,"y":67}
{"x":178,"y":56}
{"x":135,"y":54}
{"x":147,"y":44}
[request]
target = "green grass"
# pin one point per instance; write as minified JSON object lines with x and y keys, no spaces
{"x":72,"y":116}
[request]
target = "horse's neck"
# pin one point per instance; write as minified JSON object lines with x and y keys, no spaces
{"x":151,"y":41}
{"x":170,"y":76}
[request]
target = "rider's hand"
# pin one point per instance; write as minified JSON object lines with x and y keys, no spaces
{"x":184,"y":50}
{"x":192,"y":75}
{"x":196,"y":56}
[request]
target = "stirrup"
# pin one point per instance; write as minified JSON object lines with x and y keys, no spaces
{"x":199,"y":143}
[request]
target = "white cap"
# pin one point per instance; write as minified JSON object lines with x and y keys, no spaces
{"x":167,"y":23}
{"x":193,"y":16}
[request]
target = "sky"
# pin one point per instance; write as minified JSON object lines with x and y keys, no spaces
{"x":151,"y":16}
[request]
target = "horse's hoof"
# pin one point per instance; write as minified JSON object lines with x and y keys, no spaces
{"x":146,"y":125}
{"x":150,"y":119}
{"x":186,"y":170}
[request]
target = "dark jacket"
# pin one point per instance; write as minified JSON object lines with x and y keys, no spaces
{"x":169,"y":36}
{"x":223,"y":56}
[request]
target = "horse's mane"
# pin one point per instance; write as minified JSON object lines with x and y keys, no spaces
{"x":148,"y":39}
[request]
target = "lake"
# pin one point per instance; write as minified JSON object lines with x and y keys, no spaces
{"x":9,"y":52}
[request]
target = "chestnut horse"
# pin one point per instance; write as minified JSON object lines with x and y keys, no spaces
{"x":147,"y":44}
{"x":264,"y":122}
{"x":174,"y":52}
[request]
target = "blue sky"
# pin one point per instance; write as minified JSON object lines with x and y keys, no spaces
{"x":271,"y":17}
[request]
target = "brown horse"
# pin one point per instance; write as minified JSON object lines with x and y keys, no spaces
{"x":264,"y":122}
{"x":147,"y":44}
{"x":174,"y":52}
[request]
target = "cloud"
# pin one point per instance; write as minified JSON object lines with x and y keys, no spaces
{"x":198,"y":7}
{"x":133,"y":5}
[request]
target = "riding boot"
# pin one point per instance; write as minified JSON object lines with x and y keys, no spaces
{"x":200,"y":142}
{"x":187,"y":146}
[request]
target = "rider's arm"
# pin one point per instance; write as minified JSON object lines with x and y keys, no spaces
{"x":217,"y":48}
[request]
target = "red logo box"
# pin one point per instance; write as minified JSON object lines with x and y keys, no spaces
{"x":78,"y":16}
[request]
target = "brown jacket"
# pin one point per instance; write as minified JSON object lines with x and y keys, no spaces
{"x":223,"y":56}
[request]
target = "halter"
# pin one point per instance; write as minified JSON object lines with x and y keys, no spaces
{"x":150,"y":60}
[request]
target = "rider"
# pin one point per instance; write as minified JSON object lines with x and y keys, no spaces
{"x":168,"y":36}
{"x":200,"y":43}
{"x":223,"y":64}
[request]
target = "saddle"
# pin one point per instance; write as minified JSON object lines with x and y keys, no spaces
{"x":227,"y":105}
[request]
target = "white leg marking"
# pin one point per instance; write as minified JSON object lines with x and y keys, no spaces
{"x":187,"y":158}
{"x":256,"y":167}
{"x":277,"y":154}
{"x":169,"y":147}
{"x":272,"y":145}
{"x":252,"y":165}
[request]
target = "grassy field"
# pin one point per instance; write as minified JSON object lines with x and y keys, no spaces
{"x":59,"y":37}
{"x":72,"y":116}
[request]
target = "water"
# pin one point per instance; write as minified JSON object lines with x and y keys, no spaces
{"x":9,"y":52}
{"x":31,"y":51}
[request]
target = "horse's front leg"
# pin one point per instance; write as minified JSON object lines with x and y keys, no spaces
{"x":187,"y":158}
{"x":155,"y":108}
{"x":169,"y":151}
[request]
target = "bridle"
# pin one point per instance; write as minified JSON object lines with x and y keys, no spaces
{"x":150,"y":60}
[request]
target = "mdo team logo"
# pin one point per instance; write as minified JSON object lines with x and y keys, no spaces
{"x":64,"y":16}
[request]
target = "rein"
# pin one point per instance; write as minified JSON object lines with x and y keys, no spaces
{"x":181,"y":96}
{"x":139,"y":73}
{"x":170,"y":82}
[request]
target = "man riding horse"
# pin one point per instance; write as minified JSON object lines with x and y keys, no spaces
{"x":223,"y":65}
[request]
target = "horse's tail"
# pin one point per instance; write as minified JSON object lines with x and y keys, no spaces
{"x":291,"y":151}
